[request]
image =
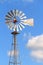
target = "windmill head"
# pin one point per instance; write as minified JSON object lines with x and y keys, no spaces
{"x":11,"y":20}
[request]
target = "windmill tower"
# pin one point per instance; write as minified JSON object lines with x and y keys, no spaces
{"x":16,"y":21}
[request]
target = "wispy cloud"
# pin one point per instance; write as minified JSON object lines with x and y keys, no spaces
{"x":2,"y":1}
{"x":10,"y":1}
{"x":27,"y":35}
{"x":36,"y":46}
{"x":28,"y":1}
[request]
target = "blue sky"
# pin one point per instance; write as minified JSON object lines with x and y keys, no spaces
{"x":32,"y":9}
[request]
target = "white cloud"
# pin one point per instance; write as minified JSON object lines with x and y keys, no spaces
{"x":37,"y":55}
{"x":35,"y":42}
{"x":36,"y":46}
{"x":12,"y":53}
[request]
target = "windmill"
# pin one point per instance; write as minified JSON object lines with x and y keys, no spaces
{"x":16,"y":21}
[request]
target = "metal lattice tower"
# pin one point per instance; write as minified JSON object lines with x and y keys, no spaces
{"x":16,"y":25}
{"x":13,"y":60}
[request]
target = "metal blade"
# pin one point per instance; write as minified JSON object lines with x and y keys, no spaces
{"x":14,"y":11}
{"x":22,"y":20}
{"x":10,"y":26}
{"x":17,"y":28}
{"x":7,"y":23}
{"x":10,"y":13}
{"x":22,"y":15}
{"x":14,"y":27}
{"x":23,"y":23}
{"x":7,"y":16}
{"x":7,"y":19}
{"x":20,"y":27}
{"x":17,"y":12}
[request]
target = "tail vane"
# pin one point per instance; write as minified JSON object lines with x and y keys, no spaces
{"x":29,"y":22}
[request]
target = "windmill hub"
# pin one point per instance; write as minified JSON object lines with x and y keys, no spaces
{"x":14,"y":21}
